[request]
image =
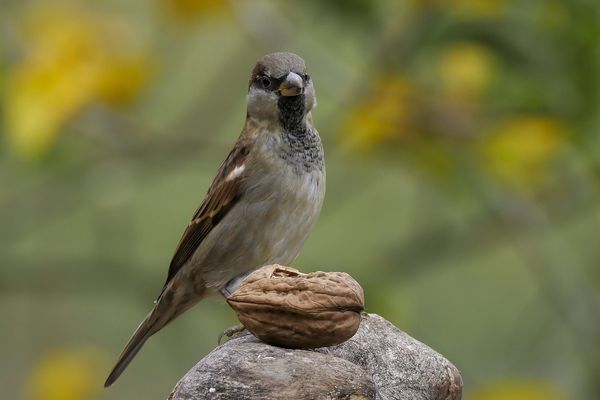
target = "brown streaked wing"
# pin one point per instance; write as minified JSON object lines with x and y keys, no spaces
{"x":221,"y":197}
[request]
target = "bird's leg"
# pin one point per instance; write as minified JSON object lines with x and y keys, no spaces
{"x":229,"y":332}
{"x":233,"y":284}
{"x":227,"y":291}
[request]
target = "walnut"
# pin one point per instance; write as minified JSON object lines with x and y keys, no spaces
{"x":282,"y":306}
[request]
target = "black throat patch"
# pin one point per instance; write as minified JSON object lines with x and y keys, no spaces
{"x":302,"y":146}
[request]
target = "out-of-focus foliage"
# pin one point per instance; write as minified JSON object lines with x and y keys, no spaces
{"x":463,"y":164}
{"x":384,"y":115}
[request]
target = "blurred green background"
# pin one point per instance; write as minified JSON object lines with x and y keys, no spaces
{"x":463,"y":161}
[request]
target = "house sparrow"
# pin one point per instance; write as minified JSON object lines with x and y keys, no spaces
{"x":260,"y":207}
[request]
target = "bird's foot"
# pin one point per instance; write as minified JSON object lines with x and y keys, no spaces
{"x":230,"y":332}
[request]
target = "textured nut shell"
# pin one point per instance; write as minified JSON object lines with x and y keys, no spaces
{"x":285,"y":307}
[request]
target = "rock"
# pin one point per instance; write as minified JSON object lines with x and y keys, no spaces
{"x":379,"y":362}
{"x":400,"y":366}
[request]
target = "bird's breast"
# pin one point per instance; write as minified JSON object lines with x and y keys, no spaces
{"x":273,"y":218}
{"x":287,"y":204}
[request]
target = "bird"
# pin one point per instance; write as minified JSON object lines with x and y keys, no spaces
{"x":261,"y":206}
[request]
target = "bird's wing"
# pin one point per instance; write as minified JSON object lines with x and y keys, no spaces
{"x":223,"y":194}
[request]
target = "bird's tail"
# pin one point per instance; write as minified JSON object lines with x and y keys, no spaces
{"x":135,"y":343}
{"x":166,"y":309}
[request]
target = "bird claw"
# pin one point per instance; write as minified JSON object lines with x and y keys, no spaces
{"x":229,"y":332}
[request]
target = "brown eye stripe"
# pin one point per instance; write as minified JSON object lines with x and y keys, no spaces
{"x":259,"y":69}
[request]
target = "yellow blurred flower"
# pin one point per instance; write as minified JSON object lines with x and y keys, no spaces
{"x":465,"y":70}
{"x":480,"y":8}
{"x":121,"y":81}
{"x":521,"y":149}
{"x":188,"y":10}
{"x":384,"y":115}
{"x":71,"y":59}
{"x":517,"y":390}
{"x":67,"y":374}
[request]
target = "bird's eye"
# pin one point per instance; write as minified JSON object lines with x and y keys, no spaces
{"x":264,"y":82}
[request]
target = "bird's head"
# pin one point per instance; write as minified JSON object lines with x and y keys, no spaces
{"x":280,"y":89}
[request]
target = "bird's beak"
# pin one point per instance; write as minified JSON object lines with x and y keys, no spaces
{"x":293,"y":85}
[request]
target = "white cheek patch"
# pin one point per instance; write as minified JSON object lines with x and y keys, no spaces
{"x":237,"y":171}
{"x":262,"y":105}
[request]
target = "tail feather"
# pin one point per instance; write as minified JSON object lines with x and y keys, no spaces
{"x":135,"y":343}
{"x":169,"y":306}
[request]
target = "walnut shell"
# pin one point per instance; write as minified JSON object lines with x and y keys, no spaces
{"x":282,"y":306}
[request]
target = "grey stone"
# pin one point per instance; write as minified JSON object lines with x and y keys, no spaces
{"x":379,"y":362}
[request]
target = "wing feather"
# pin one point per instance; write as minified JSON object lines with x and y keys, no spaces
{"x":222,"y":195}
